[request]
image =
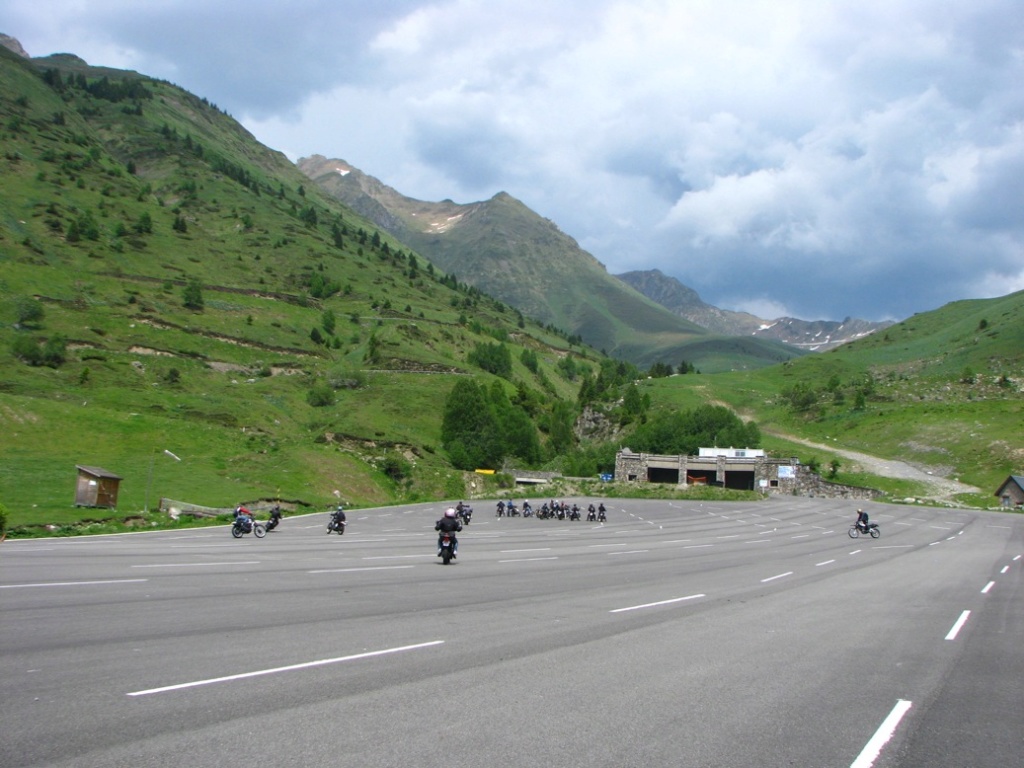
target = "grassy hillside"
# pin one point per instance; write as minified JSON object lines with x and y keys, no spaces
{"x":943,"y":390}
{"x":202,"y":293}
{"x":509,"y":251}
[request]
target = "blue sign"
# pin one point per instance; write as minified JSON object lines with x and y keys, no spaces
{"x":607,"y":477}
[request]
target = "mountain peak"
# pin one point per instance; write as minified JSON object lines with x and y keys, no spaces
{"x":12,"y":45}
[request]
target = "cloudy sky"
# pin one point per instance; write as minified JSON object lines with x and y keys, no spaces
{"x":787,"y":157}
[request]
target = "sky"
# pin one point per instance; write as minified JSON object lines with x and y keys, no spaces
{"x":807,"y":158}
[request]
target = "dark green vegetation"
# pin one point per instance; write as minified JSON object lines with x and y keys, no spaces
{"x":169,"y":284}
{"x":509,"y":251}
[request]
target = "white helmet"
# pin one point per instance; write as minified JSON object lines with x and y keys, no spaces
{"x":450,"y":512}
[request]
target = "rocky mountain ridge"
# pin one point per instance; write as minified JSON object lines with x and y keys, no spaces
{"x":811,"y":335}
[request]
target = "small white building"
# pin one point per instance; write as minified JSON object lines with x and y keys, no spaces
{"x":731,"y":453}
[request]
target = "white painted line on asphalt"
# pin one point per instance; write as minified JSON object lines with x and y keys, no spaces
{"x":730,"y":536}
{"x":698,"y":546}
{"x":203,"y":546}
{"x":1007,"y":527}
{"x":873,"y":748}
{"x":194,"y":565}
{"x":940,"y":527}
{"x":514,"y":551}
{"x":988,"y":587}
{"x":653,"y":605}
{"x":628,"y":552}
{"x":901,"y":523}
{"x":780,"y":576}
{"x":801,"y":536}
{"x":72,"y":583}
{"x":1016,"y":558}
{"x":620,"y":544}
{"x":758,"y":541}
{"x":678,"y":541}
{"x":824,"y":562}
{"x":368,"y":568}
{"x":397,"y":557}
{"x":951,"y":635}
{"x":894,"y":546}
{"x":527,"y":559}
{"x":290,"y":668}
{"x":856,"y":551}
{"x":1005,"y":569}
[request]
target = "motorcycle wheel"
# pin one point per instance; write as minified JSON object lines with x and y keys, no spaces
{"x":236,"y":531}
{"x":259,"y":530}
{"x":854,"y":533}
{"x":446,"y":555}
{"x":329,"y":529}
{"x":875,"y":533}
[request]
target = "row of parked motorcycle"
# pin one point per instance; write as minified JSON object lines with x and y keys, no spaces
{"x":555,"y":510}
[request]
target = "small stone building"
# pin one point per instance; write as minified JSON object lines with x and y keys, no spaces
{"x":1011,"y":492}
{"x":96,"y":487}
{"x":744,"y":469}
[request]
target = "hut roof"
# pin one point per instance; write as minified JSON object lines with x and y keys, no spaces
{"x":97,"y":472}
{"x":1018,"y":479}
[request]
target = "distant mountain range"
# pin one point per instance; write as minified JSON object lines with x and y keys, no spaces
{"x":509,"y":251}
{"x":810,"y":335}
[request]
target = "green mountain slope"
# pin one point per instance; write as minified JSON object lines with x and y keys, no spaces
{"x":168,"y":283}
{"x":942,"y":390}
{"x":508,"y":251}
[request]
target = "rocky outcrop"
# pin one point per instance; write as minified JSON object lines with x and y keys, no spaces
{"x":13,"y":45}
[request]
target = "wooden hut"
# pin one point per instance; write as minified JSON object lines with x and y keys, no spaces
{"x":96,"y":487}
{"x":1011,"y":492}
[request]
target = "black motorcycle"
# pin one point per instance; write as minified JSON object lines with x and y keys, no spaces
{"x":337,"y":524}
{"x":466,"y":513}
{"x":447,"y":547}
{"x":244,"y":524}
{"x":871,"y":529}
{"x":275,"y":518}
{"x":602,"y":516}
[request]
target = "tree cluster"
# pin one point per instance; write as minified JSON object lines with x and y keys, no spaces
{"x":480,"y":427}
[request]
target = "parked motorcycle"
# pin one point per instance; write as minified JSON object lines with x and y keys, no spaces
{"x":447,"y":547}
{"x":871,"y":529}
{"x":244,"y":524}
{"x":275,"y":518}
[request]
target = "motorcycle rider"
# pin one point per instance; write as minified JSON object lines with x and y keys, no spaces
{"x":275,"y":517}
{"x":245,"y":523}
{"x":862,"y":520}
{"x":449,"y":524}
{"x":338,"y":517}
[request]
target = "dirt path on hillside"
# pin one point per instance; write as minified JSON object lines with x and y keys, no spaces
{"x":939,"y":488}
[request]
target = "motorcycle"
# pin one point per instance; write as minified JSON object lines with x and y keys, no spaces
{"x":244,"y":524}
{"x":447,"y":547}
{"x":601,"y":516}
{"x":871,"y":529}
{"x":275,"y":518}
{"x":336,"y":525}
{"x":466,"y":513}
{"x":574,"y":513}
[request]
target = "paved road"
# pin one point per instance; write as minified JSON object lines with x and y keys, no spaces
{"x":679,"y":634}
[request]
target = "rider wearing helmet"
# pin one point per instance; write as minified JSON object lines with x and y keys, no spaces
{"x":338,"y":516}
{"x":862,"y":520}
{"x":449,"y":524}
